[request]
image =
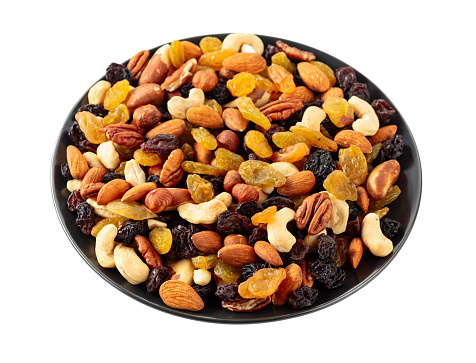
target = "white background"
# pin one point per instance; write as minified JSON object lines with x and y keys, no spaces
{"x":55,"y":308}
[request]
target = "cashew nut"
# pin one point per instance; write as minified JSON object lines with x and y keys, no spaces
{"x":225,"y":197}
{"x":312,"y":118}
{"x":202,"y":276}
{"x":237,"y":42}
{"x":373,"y":238}
{"x":98,"y":91}
{"x":73,"y":184}
{"x":285,"y":168}
{"x":183,"y":270}
{"x":203,"y":213}
{"x":339,"y":216}
{"x":154,"y":223}
{"x":278,"y":235}
{"x":108,"y":155}
{"x":133,"y":173}
{"x":105,"y":246}
{"x":262,"y":194}
{"x":178,"y":106}
{"x":367,"y":123}
{"x":130,"y":265}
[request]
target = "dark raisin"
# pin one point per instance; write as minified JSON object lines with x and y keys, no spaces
{"x":87,"y":145}
{"x":258,"y":234}
{"x":116,"y":72}
{"x":391,"y":149}
{"x":297,"y":78}
{"x":228,"y":292}
{"x":154,"y":179}
{"x":217,"y":182}
{"x":249,"y":208}
{"x":321,"y":164}
{"x":248,"y":270}
{"x":126,"y":232}
{"x":85,"y":219}
{"x":232,"y":222}
{"x":330,"y":127}
{"x":183,"y":238}
{"x":206,"y":290}
{"x":172,"y":218}
{"x":96,"y":110}
{"x":161,"y":144}
{"x":271,"y":131}
{"x":353,"y":227}
{"x":383,"y":110}
{"x":326,"y":247}
{"x":269,"y":51}
{"x":74,"y":200}
{"x":279,"y":202}
{"x":328,"y":273}
{"x":157,"y":277}
{"x":185,"y":89}
{"x":111,"y":176}
{"x":296,"y":254}
{"x":164,"y":114}
{"x":76,"y":134}
{"x":359,"y":90}
{"x":354,"y":210}
{"x":65,"y":172}
{"x":389,"y":227}
{"x":253,"y":156}
{"x":220,"y":93}
{"x":303,"y":297}
{"x":346,"y":78}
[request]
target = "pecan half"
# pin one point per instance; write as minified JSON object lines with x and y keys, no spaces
{"x":172,"y":170}
{"x":281,"y":109}
{"x":295,"y":53}
{"x":137,"y":63}
{"x":151,"y":256}
{"x":180,"y":76}
{"x":317,"y":208}
{"x":248,"y":305}
{"x":124,"y":134}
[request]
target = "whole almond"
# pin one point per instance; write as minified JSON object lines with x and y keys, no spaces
{"x":191,"y":50}
{"x":298,"y":183}
{"x":207,"y":241}
{"x":355,"y":252}
{"x":175,"y":127}
{"x":154,"y":72}
{"x":381,"y":178}
{"x":238,"y":255}
{"x":90,"y":190}
{"x":363,"y":200}
{"x":202,"y":154}
{"x":158,"y":199}
{"x":245,"y":62}
{"x":313,"y":77}
{"x":78,"y":166}
{"x":291,"y":282}
{"x":234,"y":120}
{"x":235,"y":239}
{"x":138,"y":192}
{"x":268,"y":253}
{"x":244,"y":193}
{"x":204,"y":116}
{"x":345,"y":138}
{"x":93,"y":175}
{"x":180,"y":295}
{"x":149,"y":93}
{"x":112,"y":190}
{"x":383,"y":134}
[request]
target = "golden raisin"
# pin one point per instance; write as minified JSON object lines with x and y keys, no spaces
{"x":339,"y":185}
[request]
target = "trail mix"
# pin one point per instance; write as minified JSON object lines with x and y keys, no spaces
{"x":233,"y":171}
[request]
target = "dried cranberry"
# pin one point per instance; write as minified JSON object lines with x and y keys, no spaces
{"x":360,"y":90}
{"x":116,"y":72}
{"x":383,"y":110}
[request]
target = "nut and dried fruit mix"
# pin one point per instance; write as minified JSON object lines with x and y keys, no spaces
{"x":233,"y":172}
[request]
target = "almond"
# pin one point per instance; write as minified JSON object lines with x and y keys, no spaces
{"x":149,"y":93}
{"x":204,"y":116}
{"x":180,"y":295}
{"x":235,"y":239}
{"x":112,"y":190}
{"x":191,"y":50}
{"x":234,"y":120}
{"x":363,"y":200}
{"x":313,"y":77}
{"x":245,"y":62}
{"x":78,"y":166}
{"x":298,"y":183}
{"x":267,"y":252}
{"x":355,"y":252}
{"x":345,"y":138}
{"x":175,"y":127}
{"x":207,"y":241}
{"x":381,"y":178}
{"x":383,"y":134}
{"x":138,"y":192}
{"x":244,"y":193}
{"x":158,"y":199}
{"x":238,"y":255}
{"x":291,"y":282}
{"x":94,"y":175}
{"x":202,"y":154}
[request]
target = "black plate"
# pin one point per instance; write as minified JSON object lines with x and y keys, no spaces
{"x":404,"y":209}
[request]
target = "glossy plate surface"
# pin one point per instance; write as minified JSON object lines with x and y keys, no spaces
{"x":404,"y":209}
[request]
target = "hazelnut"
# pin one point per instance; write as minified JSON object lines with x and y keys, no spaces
{"x":232,"y":178}
{"x":204,"y":80}
{"x":227,"y":139}
{"x":244,"y":193}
